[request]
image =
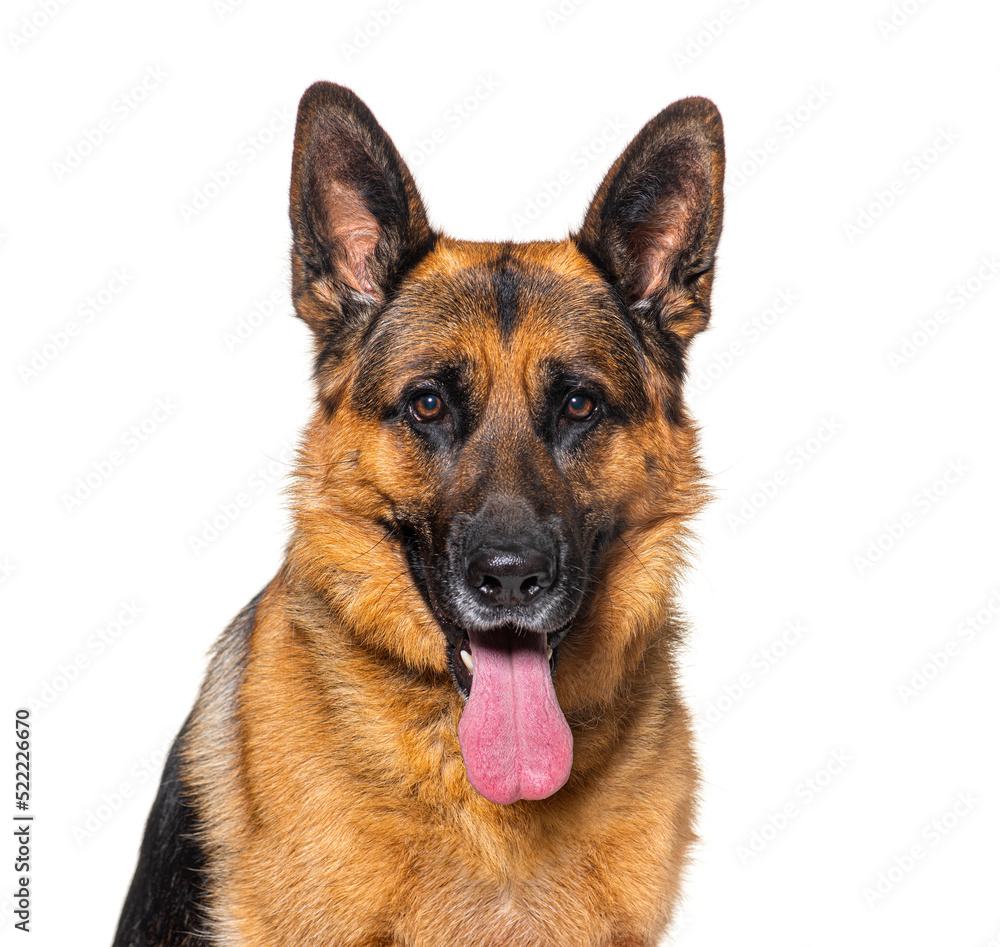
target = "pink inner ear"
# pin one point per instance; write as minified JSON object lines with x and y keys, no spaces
{"x":657,"y":243}
{"x":355,"y":231}
{"x":358,"y":247}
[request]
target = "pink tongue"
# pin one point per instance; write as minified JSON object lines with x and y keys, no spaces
{"x":515,"y":740}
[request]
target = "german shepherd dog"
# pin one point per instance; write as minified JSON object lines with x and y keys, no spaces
{"x":453,"y":715}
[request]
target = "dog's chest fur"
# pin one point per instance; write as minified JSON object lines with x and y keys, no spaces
{"x":303,"y":856}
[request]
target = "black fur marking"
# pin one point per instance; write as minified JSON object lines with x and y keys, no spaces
{"x":164,"y":903}
{"x":504,"y":280}
{"x":410,"y":540}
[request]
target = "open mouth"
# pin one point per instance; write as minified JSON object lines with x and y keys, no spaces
{"x":461,"y":662}
{"x":515,"y":740}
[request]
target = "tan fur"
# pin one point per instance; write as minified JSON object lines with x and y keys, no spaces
{"x":345,"y":810}
{"x":320,"y":795}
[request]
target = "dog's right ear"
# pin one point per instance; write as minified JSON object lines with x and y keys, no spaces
{"x":357,"y":219}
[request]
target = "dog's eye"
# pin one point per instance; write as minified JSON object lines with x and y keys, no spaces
{"x":580,"y":406}
{"x":427,"y":407}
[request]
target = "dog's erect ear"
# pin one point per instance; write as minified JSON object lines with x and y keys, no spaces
{"x":655,"y":221}
{"x":357,"y":219}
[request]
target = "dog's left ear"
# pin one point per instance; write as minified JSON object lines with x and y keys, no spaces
{"x":655,"y":221}
{"x":357,"y":219}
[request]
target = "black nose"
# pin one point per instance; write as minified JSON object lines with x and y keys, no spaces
{"x":509,"y":577}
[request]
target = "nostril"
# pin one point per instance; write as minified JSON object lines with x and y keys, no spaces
{"x":534,"y":584}
{"x":490,"y":586}
{"x":542,"y":579}
{"x":509,"y":578}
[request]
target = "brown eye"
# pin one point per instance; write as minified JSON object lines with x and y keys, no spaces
{"x":580,"y":407}
{"x":427,"y":407}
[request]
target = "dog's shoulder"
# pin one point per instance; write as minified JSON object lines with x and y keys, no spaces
{"x":163,"y":905}
{"x":166,"y":903}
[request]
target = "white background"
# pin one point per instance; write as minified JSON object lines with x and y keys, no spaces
{"x":847,"y":393}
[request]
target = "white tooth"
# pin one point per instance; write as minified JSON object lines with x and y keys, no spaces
{"x":466,"y":659}
{"x":550,"y":654}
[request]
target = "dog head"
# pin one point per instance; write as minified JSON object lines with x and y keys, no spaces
{"x":496,"y":480}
